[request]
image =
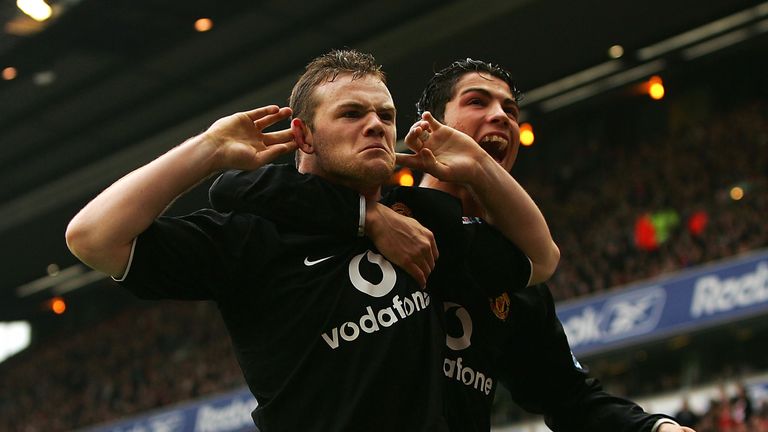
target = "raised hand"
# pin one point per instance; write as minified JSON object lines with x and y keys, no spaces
{"x":241,"y":143}
{"x":402,"y":240}
{"x":102,"y":233}
{"x":442,"y":151}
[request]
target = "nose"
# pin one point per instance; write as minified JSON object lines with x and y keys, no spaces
{"x":497,"y":114}
{"x":374,"y":126}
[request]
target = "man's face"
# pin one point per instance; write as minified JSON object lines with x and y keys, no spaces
{"x":484,"y":108}
{"x":354,"y":131}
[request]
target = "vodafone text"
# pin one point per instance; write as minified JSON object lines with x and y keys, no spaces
{"x":371,"y":322}
{"x":463,"y":374}
{"x":459,"y":342}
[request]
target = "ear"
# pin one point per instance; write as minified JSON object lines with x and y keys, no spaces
{"x":302,"y":135}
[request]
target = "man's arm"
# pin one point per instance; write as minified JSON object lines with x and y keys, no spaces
{"x":102,"y":233}
{"x":554,"y":384}
{"x":453,"y":156}
{"x":309,"y":204}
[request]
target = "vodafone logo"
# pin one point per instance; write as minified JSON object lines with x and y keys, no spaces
{"x":374,"y":320}
{"x":455,"y":369}
{"x":461,"y":341}
{"x":363,"y":285}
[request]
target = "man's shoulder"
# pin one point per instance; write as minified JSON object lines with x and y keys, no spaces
{"x":232,"y":185}
{"x":425,"y":204}
{"x":237,"y":190}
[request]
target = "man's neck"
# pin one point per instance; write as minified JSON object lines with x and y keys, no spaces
{"x":470,"y":205}
{"x":370,"y":192}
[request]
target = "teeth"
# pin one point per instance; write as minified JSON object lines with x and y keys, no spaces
{"x":495,"y":146}
{"x":494,"y":138}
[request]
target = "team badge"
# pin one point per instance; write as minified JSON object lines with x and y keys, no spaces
{"x":402,"y":209}
{"x":500,"y":306}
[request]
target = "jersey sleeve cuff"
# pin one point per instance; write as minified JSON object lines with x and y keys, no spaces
{"x":661,"y":421}
{"x":530,"y":275}
{"x":127,"y":267}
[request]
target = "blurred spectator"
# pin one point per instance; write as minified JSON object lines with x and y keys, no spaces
{"x":686,"y":416}
{"x":759,"y":421}
{"x":741,"y":407}
{"x":729,"y":414}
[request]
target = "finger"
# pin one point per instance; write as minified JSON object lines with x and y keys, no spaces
{"x":417,"y":274}
{"x":430,"y":164}
{"x":432,"y":121}
{"x":273,"y":152}
{"x":435,"y":252}
{"x":412,"y":139}
{"x":428,"y":159}
{"x":412,"y":161}
{"x":258,"y":113}
{"x":289,"y":145}
{"x":429,"y":260}
{"x":272,"y":118}
{"x":423,"y":125}
{"x":277,"y":137}
{"x":429,"y":249}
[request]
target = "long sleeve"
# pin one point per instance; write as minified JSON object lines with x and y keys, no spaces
{"x":545,"y":378}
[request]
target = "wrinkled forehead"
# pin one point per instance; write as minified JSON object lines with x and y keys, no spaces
{"x":368,"y":91}
{"x":482,"y":81}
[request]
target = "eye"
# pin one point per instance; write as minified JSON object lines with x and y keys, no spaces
{"x":386,"y":116}
{"x":475,"y":101}
{"x":351,"y":114}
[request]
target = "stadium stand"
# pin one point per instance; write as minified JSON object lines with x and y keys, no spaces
{"x":594,"y":205}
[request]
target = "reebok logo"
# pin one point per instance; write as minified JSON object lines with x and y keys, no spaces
{"x":623,"y":315}
{"x":372,"y":321}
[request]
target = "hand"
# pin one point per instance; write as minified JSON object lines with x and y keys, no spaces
{"x":241,"y":143}
{"x":442,"y":151}
{"x":402,"y":240}
{"x":669,"y":427}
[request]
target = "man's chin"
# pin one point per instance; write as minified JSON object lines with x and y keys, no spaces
{"x":379,"y":173}
{"x":371,"y":173}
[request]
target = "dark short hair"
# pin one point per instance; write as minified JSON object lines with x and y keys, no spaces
{"x":326,"y":68}
{"x":440,"y":88}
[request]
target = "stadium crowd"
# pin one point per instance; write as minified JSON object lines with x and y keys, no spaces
{"x":594,"y":207}
{"x":727,"y":413}
{"x":152,"y":355}
{"x":148,"y":356}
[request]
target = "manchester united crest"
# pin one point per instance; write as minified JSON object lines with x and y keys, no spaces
{"x":500,"y":306}
{"x":402,"y":209}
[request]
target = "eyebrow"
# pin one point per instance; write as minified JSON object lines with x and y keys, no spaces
{"x":507,"y":101}
{"x":364,"y":107}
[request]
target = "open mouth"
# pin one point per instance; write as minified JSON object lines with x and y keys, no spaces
{"x":495,"y":145}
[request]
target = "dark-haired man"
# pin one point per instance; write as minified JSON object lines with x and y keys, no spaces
{"x":535,"y":362}
{"x":511,"y":335}
{"x":321,"y":346}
